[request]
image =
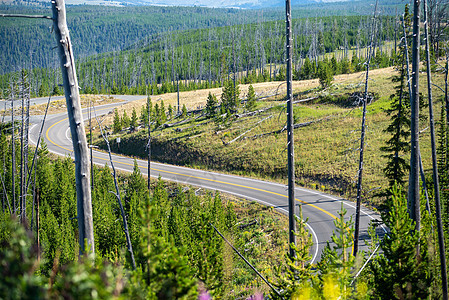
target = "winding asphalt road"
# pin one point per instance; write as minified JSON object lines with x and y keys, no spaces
{"x":320,"y":209}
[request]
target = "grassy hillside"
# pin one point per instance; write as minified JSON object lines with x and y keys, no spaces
{"x":326,"y":152}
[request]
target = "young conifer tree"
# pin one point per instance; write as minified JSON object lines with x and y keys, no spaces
{"x":251,"y":98}
{"x":211,"y":105}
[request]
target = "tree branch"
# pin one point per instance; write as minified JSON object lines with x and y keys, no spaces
{"x":26,"y":16}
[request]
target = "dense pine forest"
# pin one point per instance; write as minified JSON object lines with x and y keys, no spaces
{"x":366,"y":98}
{"x":99,"y":29}
{"x":205,"y":58}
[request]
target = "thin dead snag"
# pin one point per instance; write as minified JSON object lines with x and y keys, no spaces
{"x":80,"y":148}
{"x":362,"y":139}
{"x":117,"y":194}
{"x":435,"y":164}
{"x":414,"y":194}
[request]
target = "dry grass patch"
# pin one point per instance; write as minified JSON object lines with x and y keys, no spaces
{"x":326,"y":151}
{"x":59,"y":106}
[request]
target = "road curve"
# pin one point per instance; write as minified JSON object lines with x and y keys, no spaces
{"x":319,"y":208}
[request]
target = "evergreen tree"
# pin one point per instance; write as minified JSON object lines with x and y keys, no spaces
{"x":325,"y":74}
{"x":117,"y":123}
{"x":337,"y":260}
{"x":211,"y":105}
{"x":443,"y":161}
{"x":307,"y":70}
{"x":163,"y":114}
{"x":136,"y":197}
{"x":397,"y":274}
{"x":157,"y":115}
{"x":251,"y":99}
{"x":166,"y":273}
{"x":298,"y":272}
{"x":144,"y":115}
{"x":398,"y":145}
{"x":133,"y":122}
{"x":230,"y":96}
{"x":125,"y":120}
{"x":184,"y":111}
{"x":170,"y":111}
{"x":108,"y":232}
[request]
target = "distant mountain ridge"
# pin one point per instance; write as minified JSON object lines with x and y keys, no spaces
{"x":242,"y":4}
{"x":229,"y":3}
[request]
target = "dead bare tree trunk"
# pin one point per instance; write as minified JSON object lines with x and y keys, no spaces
{"x":436,"y":183}
{"x":25,"y":148}
{"x":80,"y":149}
{"x":90,"y":148}
{"x":414,"y":195}
{"x":37,"y":225}
{"x":149,"y":139}
{"x":13,"y":153}
{"x":362,"y":138}
{"x":446,"y":98}
{"x":409,"y":85}
{"x":22,"y":161}
{"x":117,"y":195}
{"x":290,"y":152}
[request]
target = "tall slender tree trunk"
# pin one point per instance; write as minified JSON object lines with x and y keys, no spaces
{"x":37,"y":195}
{"x":149,"y":139}
{"x":435,"y":164}
{"x":80,"y":149}
{"x":362,"y":139}
{"x":26,"y":141}
{"x":13,"y":154}
{"x":92,"y":175}
{"x":22,"y":161}
{"x":290,"y":144}
{"x":414,"y":195}
{"x":446,"y":97}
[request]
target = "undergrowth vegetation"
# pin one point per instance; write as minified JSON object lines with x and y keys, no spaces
{"x":178,"y":254}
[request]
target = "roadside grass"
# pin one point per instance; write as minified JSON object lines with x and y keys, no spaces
{"x":326,"y":151}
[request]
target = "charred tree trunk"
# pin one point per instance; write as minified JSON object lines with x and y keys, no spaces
{"x":290,"y":152}
{"x":22,"y":161}
{"x":149,"y":140}
{"x":80,"y":149}
{"x":13,"y":154}
{"x":414,"y":195}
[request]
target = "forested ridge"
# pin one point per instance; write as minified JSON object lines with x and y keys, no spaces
{"x":205,"y":58}
{"x":99,"y":29}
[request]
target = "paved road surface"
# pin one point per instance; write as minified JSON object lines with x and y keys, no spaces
{"x":320,"y":209}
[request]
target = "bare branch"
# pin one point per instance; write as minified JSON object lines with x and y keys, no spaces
{"x":25,"y":16}
{"x":117,"y":194}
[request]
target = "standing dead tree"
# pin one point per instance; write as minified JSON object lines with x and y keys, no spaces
{"x":362,"y":138}
{"x":117,"y":195}
{"x":414,"y":195}
{"x":290,"y":151}
{"x":434,"y":163}
{"x":149,"y":140}
{"x":25,"y":96}
{"x":13,"y":152}
{"x":80,"y":148}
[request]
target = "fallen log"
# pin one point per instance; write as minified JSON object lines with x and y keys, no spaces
{"x":295,"y":126}
{"x":248,"y":130}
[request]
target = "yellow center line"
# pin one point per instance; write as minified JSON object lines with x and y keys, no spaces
{"x":196,"y":177}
